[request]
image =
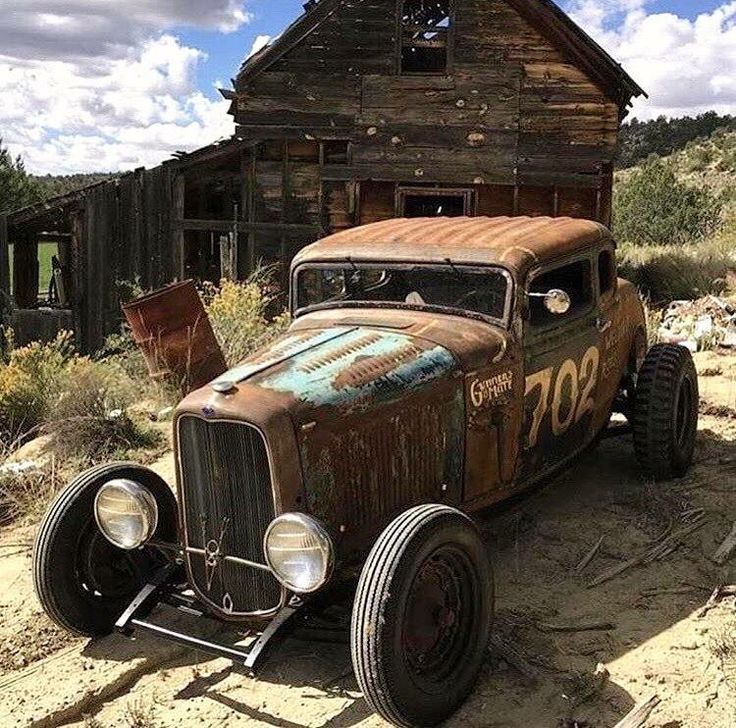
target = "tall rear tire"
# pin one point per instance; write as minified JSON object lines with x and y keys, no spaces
{"x":665,"y":418}
{"x":82,"y":580}
{"x":422,"y":616}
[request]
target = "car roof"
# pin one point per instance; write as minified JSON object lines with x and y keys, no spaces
{"x":517,"y":243}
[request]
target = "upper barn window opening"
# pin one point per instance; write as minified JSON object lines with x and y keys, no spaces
{"x":426,"y":27}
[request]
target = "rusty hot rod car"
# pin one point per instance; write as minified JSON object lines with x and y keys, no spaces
{"x":434,"y":367}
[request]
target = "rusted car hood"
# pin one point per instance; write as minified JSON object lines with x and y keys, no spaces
{"x":343,"y":368}
{"x":344,"y":360}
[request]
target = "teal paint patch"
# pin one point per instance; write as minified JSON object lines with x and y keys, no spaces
{"x":279,"y":351}
{"x":364,"y":365}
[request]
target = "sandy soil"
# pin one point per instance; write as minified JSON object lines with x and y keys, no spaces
{"x":645,"y":624}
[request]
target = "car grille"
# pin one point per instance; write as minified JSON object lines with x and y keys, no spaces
{"x":227,"y":500}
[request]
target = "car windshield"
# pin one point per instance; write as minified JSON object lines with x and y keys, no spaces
{"x":469,"y":289}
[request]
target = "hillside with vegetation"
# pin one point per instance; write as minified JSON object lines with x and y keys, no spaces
{"x":640,"y":139}
{"x":675,"y":218}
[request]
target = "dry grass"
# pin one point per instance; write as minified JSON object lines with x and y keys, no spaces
{"x":140,"y":715}
{"x":26,"y":490}
{"x":666,"y":273}
{"x":723,"y":646}
{"x":30,"y":379}
{"x":90,"y":418}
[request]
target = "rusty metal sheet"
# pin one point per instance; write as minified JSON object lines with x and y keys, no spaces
{"x":174,"y":333}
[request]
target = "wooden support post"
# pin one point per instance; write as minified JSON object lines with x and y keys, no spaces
{"x":251,"y":210}
{"x":285,"y":205}
{"x":177,"y":233}
{"x":245,"y":206}
{"x":4,"y":258}
{"x":25,"y":271}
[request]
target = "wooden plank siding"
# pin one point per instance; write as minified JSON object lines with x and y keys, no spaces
{"x":121,"y":231}
{"x":514,"y":112}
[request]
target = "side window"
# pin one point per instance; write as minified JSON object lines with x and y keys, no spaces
{"x":606,"y":272}
{"x":575,"y":279}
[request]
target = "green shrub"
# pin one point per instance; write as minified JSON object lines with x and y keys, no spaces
{"x":30,"y":381}
{"x":652,"y":207}
{"x":90,"y":418}
{"x":666,"y":273}
{"x":240,"y":314}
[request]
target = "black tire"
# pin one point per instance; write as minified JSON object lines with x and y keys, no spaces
{"x":82,"y":580}
{"x":409,"y":675}
{"x":665,"y":418}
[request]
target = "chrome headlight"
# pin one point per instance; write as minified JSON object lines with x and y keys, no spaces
{"x":299,"y":552}
{"x":126,"y":513}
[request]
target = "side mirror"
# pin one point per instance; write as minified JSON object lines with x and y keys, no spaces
{"x":556,"y":301}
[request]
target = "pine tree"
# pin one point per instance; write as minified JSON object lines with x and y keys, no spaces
{"x":17,"y":188}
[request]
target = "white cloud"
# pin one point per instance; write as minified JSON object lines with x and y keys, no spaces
{"x":259,"y":43}
{"x":99,"y":86}
{"x":35,"y":29}
{"x":686,"y":66}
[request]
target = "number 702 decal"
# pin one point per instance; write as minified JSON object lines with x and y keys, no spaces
{"x":581,"y":382}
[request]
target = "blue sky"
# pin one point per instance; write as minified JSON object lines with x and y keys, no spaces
{"x":108,"y":84}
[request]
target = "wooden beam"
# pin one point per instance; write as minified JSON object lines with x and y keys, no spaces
{"x":177,"y":233}
{"x":53,"y":237}
{"x":245,"y":207}
{"x":226,"y":226}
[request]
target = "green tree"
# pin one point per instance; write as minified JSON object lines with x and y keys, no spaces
{"x":640,"y":139}
{"x":17,"y":188}
{"x":652,"y":207}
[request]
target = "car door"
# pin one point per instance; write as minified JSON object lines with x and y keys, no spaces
{"x":561,"y":366}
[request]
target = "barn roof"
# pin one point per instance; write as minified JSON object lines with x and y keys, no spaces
{"x":518,"y":243}
{"x":545,"y":15}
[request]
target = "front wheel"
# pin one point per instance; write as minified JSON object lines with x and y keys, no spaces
{"x":82,"y":580}
{"x":422,"y":616}
{"x":665,"y":413}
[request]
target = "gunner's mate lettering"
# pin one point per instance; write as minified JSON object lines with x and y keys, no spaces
{"x":487,"y":391}
{"x":580,"y":382}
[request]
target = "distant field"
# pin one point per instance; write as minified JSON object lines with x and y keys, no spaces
{"x":45,"y":252}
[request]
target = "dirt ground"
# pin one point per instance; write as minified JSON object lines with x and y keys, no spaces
{"x":645,"y":624}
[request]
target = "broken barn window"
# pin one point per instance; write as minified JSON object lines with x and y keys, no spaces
{"x":336,"y":152}
{"x":425,"y":30}
{"x":427,"y":202}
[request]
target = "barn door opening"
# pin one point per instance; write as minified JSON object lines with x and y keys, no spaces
{"x":430,"y":202}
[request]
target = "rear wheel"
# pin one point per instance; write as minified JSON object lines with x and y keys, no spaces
{"x":665,"y":417}
{"x":82,"y":580}
{"x":422,"y":616}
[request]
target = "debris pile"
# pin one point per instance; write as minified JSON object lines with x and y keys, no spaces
{"x":700,"y":325}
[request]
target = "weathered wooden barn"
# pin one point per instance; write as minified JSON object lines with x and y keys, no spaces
{"x":361,"y":110}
